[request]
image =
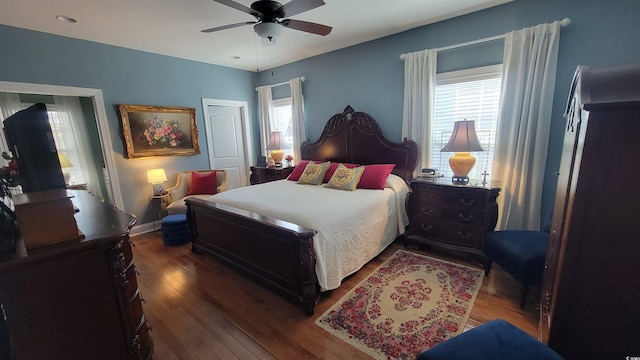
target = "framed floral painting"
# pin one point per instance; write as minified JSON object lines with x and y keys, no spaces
{"x":158,"y":131}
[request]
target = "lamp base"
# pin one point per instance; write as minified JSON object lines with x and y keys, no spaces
{"x":277,"y":156}
{"x":158,"y":189}
{"x":461,"y":164}
{"x":460,"y":180}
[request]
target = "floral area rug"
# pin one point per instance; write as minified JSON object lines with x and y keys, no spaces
{"x":407,"y":305}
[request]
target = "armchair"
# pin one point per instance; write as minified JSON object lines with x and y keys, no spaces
{"x":178,"y":193}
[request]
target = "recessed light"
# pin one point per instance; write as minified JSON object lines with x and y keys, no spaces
{"x":66,"y":19}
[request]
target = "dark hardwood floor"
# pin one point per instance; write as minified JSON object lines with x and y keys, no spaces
{"x":200,"y":309}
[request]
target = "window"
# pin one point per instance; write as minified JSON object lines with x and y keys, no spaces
{"x":282,"y":114}
{"x":472,"y":94}
{"x":60,"y":126}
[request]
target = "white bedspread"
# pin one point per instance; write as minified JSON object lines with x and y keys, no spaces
{"x":352,"y":226}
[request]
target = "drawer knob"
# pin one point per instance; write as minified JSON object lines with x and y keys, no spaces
{"x":427,"y":228}
{"x":427,"y":212}
{"x":467,"y":219}
{"x":464,"y":236}
{"x":428,"y":196}
{"x":466,"y":203}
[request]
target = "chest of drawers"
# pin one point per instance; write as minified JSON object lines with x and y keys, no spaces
{"x":451,"y":217}
{"x":261,"y":175}
{"x":76,"y":299}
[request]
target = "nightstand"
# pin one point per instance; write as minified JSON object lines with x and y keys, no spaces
{"x":158,"y":205}
{"x":261,"y":174}
{"x":452,"y":217}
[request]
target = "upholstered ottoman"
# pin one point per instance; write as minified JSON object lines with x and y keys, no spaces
{"x":175,"y":230}
{"x":495,"y":340}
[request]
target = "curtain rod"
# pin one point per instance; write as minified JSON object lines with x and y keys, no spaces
{"x":564,"y":22}
{"x":282,"y":83}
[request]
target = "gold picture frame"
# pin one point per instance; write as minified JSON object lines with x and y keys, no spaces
{"x":158,"y":131}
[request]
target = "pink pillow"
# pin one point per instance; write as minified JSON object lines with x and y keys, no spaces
{"x":203,"y":183}
{"x":298,"y":170}
{"x":333,"y":167}
{"x":375,"y":176}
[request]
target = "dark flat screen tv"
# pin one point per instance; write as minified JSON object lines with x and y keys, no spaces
{"x":30,"y":139}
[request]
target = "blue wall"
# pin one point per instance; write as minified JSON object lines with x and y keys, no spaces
{"x":370,"y":77}
{"x":126,"y":77}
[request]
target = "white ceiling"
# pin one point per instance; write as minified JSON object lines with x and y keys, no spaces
{"x":172,"y":27}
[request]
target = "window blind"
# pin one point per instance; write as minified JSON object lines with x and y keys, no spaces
{"x":282,"y":121}
{"x":474,"y":95}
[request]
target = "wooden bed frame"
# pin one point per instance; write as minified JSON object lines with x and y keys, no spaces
{"x":279,"y":254}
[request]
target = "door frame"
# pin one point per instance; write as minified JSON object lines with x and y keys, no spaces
{"x":101,"y":119}
{"x":246,"y":126}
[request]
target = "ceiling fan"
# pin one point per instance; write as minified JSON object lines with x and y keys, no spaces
{"x":271,"y":14}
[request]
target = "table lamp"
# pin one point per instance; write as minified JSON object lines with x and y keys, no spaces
{"x":157,"y":177}
{"x":64,"y":164}
{"x":462,"y":142}
{"x":276,"y":144}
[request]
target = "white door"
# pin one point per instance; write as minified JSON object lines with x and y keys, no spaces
{"x":226,"y":123}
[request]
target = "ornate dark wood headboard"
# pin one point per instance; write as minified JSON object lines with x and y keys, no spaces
{"x":355,"y":137}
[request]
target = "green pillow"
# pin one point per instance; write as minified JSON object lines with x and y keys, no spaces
{"x":345,"y":179}
{"x":314,"y":173}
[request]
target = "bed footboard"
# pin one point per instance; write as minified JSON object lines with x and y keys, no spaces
{"x":276,"y":253}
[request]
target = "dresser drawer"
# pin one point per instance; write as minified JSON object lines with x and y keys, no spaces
{"x":121,"y":260}
{"x":450,"y":196}
{"x":146,"y":343}
{"x":454,"y":234}
{"x":459,"y":215}
{"x":135,"y":310}
{"x":131,"y":281}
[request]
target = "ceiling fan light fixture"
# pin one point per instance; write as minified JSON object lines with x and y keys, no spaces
{"x":268,"y":30}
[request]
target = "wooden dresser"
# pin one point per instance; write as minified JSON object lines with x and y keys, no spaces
{"x":75,"y":299}
{"x":452,"y":217}
{"x":590,"y":297}
{"x":261,"y":174}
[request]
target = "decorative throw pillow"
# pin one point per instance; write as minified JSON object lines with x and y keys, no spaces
{"x":375,"y":176}
{"x":332,"y":169}
{"x":298,"y":170}
{"x":314,"y":173}
{"x":345,"y":178}
{"x":203,"y":183}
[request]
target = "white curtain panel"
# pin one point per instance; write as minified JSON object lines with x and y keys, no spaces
{"x":265,"y":109}
{"x":79,"y":135}
{"x":297,"y":117}
{"x":419,"y":97}
{"x":9,"y":105}
{"x":530,"y":61}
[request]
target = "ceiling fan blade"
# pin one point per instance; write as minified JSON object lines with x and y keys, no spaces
{"x":307,"y":26}
{"x":240,"y":7}
{"x":295,"y":7}
{"x":230,"y":26}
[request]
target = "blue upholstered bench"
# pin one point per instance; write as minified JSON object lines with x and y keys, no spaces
{"x":495,"y":340}
{"x":175,"y":230}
